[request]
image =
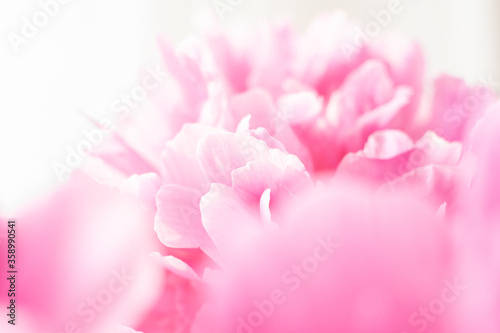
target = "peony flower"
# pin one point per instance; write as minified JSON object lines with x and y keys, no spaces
{"x":270,"y":150}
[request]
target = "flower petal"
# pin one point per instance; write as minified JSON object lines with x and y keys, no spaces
{"x":178,"y":221}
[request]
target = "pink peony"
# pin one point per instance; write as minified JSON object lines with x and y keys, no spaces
{"x":271,"y":150}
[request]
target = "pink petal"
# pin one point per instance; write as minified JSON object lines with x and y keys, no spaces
{"x":364,"y":89}
{"x":257,"y":103}
{"x":176,"y":266}
{"x":405,"y":62}
{"x":144,"y":187}
{"x":379,"y":118}
{"x":178,"y":221}
{"x":456,"y":107}
{"x":219,"y":154}
{"x":387,"y":144}
{"x":189,"y":76}
{"x":226,"y":214}
{"x":179,"y":156}
{"x":484,"y":199}
{"x":123,"y":329}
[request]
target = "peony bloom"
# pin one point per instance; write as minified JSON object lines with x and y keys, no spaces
{"x":294,"y":189}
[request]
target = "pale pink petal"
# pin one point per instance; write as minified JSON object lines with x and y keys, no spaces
{"x":379,"y":118}
{"x":226,"y":214}
{"x":456,"y":107}
{"x":257,"y":103}
{"x":179,"y":156}
{"x":484,"y":199}
{"x":439,"y":150}
{"x":231,"y":61}
{"x":439,"y":184}
{"x":123,"y":329}
{"x":262,"y":134}
{"x":429,"y":167}
{"x":387,"y":144}
{"x":144,"y":187}
{"x":298,"y":107}
{"x":375,"y":170}
{"x":178,"y":220}
{"x":405,"y":63}
{"x":219,"y":154}
{"x":265,"y":212}
{"x":189,"y":76}
{"x":282,"y":180}
{"x":366,"y":88}
{"x":272,"y":59}
{"x":322,"y":61}
{"x":125,"y":157}
{"x":175,"y":265}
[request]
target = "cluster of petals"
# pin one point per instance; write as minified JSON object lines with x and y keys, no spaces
{"x":294,"y":189}
{"x":271,"y":141}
